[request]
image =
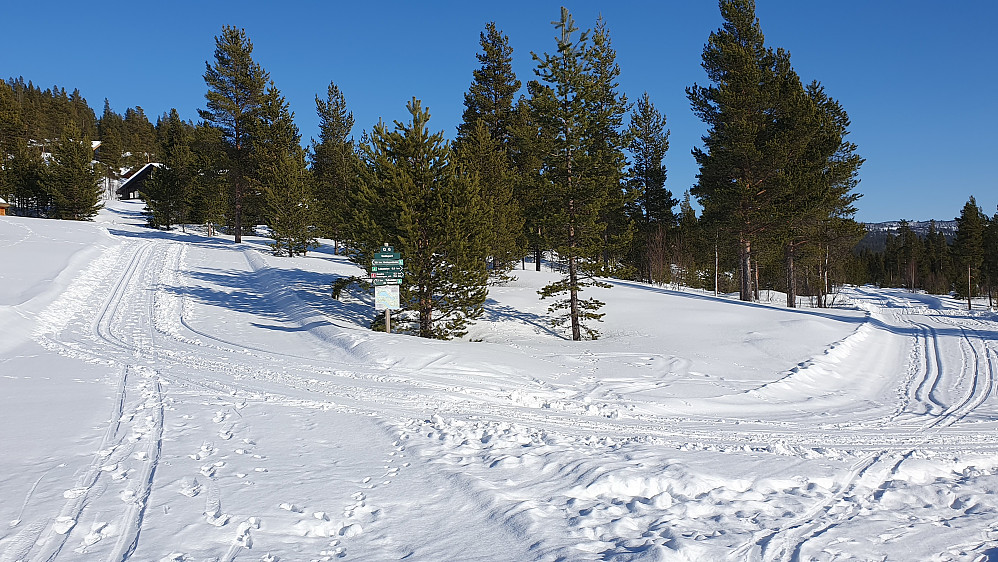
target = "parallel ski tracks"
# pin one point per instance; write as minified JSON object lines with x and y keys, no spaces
{"x":125,"y":332}
{"x":973,"y":381}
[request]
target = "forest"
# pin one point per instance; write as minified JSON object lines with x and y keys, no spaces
{"x":565,"y":168}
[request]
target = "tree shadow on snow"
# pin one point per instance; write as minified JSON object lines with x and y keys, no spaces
{"x":293,"y":296}
{"x":495,"y":312}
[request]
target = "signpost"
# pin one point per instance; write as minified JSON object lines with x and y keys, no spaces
{"x":386,"y":274}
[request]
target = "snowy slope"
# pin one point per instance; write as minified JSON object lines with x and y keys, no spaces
{"x":167,"y":396}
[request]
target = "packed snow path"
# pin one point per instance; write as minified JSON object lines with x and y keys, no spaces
{"x":175,"y":397}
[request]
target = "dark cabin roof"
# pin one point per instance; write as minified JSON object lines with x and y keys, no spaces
{"x":131,"y":186}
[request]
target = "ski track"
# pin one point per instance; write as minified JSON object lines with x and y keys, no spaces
{"x":142,"y":329}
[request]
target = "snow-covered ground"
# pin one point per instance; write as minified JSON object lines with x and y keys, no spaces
{"x":167,"y":396}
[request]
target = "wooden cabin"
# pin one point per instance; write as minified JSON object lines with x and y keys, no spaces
{"x":3,"y":207}
{"x":135,"y":183}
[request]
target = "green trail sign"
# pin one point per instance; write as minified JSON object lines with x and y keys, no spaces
{"x":386,"y":275}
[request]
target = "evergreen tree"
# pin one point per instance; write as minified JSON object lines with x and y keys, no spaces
{"x":577,"y":171}
{"x":284,"y":179}
{"x":736,"y":172}
{"x":969,"y":248}
{"x":334,"y":164}
{"x":531,"y":145}
{"x":235,"y":94}
{"x":653,"y":202}
{"x":605,"y":147}
{"x":485,"y":146}
{"x":167,"y":192}
{"x":484,"y":157}
{"x":24,"y":174}
{"x":111,"y":133}
{"x":209,"y":193}
{"x":415,"y":198}
{"x":71,"y":179}
{"x":12,"y":127}
{"x":139,"y":138}
{"x":990,"y":267}
{"x":493,"y":87}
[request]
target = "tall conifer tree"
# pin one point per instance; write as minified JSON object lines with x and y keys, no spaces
{"x":334,"y":163}
{"x":493,"y":88}
{"x":235,"y":94}
{"x":652,"y":201}
{"x":734,"y":185}
{"x":969,"y":249}
{"x":574,"y":171}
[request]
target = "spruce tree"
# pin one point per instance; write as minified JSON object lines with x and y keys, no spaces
{"x":71,"y":179}
{"x":235,"y":94}
{"x":334,"y":164}
{"x":969,"y":249}
{"x":415,"y":198}
{"x":577,"y":171}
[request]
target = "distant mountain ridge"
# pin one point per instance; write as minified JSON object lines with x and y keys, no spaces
{"x":876,"y":232}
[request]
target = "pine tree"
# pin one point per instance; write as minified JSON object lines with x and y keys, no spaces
{"x":531,"y":145}
{"x":493,"y":87}
{"x":483,"y":157}
{"x":577,"y":170}
{"x":111,"y":133}
{"x":969,"y":248}
{"x":485,"y":146}
{"x":209,"y":193}
{"x":139,"y":138}
{"x":605,"y":147}
{"x":653,"y":202}
{"x":334,"y":163}
{"x":414,"y":198}
{"x":235,"y":95}
{"x":71,"y":179}
{"x":167,"y":192}
{"x":736,"y":172}
{"x":284,"y":178}
{"x":25,"y":174}
{"x":990,"y":266}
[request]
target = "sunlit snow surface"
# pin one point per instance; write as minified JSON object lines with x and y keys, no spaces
{"x":168,"y":396}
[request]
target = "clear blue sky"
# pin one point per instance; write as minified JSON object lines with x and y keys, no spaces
{"x":918,"y":78}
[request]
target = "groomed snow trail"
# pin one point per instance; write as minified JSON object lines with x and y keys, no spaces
{"x":251,"y":418}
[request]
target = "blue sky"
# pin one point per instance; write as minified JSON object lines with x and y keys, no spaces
{"x":918,"y":78}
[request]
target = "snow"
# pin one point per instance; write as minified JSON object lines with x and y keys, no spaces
{"x":168,"y":396}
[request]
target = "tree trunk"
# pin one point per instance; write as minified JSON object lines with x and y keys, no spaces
{"x":745,"y":270}
{"x":537,"y":259}
{"x":425,"y":314}
{"x":970,"y":306}
{"x":716,"y":266}
{"x":791,"y":278}
{"x":755,"y":290}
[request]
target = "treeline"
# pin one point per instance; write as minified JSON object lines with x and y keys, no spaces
{"x":968,"y":267}
{"x":565,"y":167}
{"x":50,"y":165}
